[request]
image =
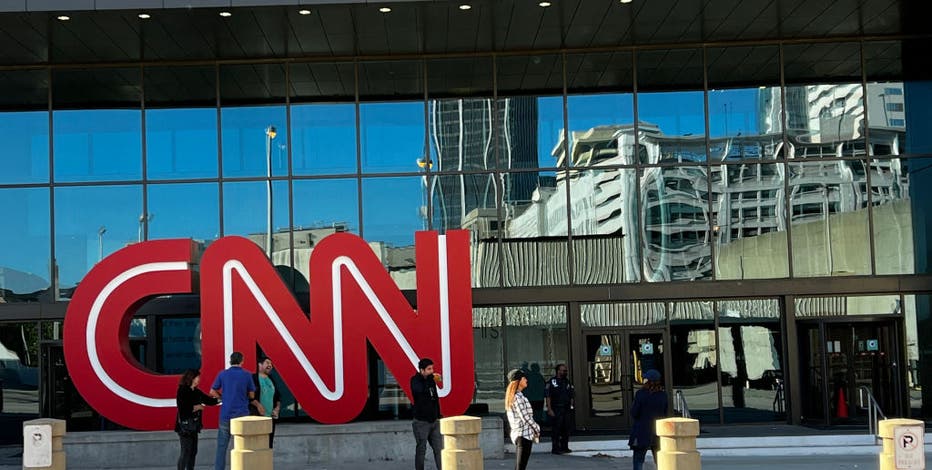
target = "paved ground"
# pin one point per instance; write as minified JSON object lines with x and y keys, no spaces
{"x":551,"y":462}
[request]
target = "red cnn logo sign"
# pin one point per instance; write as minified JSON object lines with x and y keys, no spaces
{"x":244,"y":302}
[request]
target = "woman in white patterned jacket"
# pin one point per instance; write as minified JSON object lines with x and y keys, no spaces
{"x":524,"y":430}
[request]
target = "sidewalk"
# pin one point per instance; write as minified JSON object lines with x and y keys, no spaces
{"x":554,"y":462}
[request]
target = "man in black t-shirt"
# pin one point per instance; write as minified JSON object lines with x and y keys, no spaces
{"x":426,"y":412}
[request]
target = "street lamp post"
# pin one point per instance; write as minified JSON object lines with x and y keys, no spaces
{"x":270,"y":134}
{"x":100,"y":242}
{"x":143,"y":218}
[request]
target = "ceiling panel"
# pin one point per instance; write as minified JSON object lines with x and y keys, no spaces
{"x":23,"y":38}
{"x":435,"y":27}
{"x":323,"y":81}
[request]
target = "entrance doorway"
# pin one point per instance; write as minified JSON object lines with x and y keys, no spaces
{"x":841,"y":361}
{"x":616,"y":361}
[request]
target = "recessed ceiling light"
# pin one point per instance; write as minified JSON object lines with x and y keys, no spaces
{"x":64,"y":18}
{"x":226,"y":14}
{"x":544,"y":4}
{"x":465,"y":6}
{"x":304,"y":12}
{"x":626,"y":1}
{"x":385,"y":10}
{"x":145,"y":16}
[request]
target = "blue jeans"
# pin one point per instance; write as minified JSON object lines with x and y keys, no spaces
{"x":223,"y":442}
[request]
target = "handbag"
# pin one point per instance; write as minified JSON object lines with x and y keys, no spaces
{"x":188,"y":426}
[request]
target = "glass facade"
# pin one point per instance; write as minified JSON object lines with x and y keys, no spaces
{"x":624,"y":168}
{"x":720,"y":187}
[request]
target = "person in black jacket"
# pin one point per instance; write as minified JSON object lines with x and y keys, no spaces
{"x":426,"y":412}
{"x":650,"y":404}
{"x":272,"y":402}
{"x":190,"y":401}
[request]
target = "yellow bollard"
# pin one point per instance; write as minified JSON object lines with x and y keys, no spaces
{"x":461,"y":443}
{"x":887,"y":431}
{"x":251,"y":443}
{"x":678,"y":444}
{"x":57,"y":457}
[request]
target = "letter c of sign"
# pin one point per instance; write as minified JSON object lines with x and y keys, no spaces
{"x":96,"y":337}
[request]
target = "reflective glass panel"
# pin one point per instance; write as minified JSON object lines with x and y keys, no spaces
{"x":321,"y":207}
{"x":824,"y":100}
{"x":894,"y":216}
{"x":830,"y":228}
{"x":246,"y":213}
{"x":672,"y":122}
{"x":323,"y":138}
{"x":25,"y":245}
{"x":677,"y":226}
{"x":181,"y":143}
{"x":751,"y":354}
{"x":694,"y":349}
{"x":489,"y":342}
{"x":835,"y":306}
{"x":920,"y":202}
{"x":467,"y":201}
{"x":632,"y":314}
{"x":97,"y":125}
{"x":529,"y":112}
{"x":534,"y":231}
{"x":604,"y":212}
{"x":20,"y":343}
{"x":181,"y":344}
{"x":254,"y":138}
{"x":536,"y":342}
{"x":392,"y":136}
{"x":392,"y":117}
{"x":24,"y":127}
{"x":392,"y":210}
{"x":91,"y":223}
{"x":745,"y":103}
{"x":184,"y":211}
{"x":750,"y":221}
{"x":181,"y":122}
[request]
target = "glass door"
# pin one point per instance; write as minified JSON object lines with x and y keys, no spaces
{"x":615,"y":365}
{"x":843,"y":361}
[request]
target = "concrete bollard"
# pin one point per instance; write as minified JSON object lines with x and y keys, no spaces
{"x":887,"y":430}
{"x":678,"y":444}
{"x":251,"y":443}
{"x":461,"y":443}
{"x":58,"y":428}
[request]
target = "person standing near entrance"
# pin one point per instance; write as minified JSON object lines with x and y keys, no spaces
{"x":426,"y":413}
{"x":524,"y":430}
{"x":561,"y":401}
{"x":266,"y":394}
{"x":650,"y":404}
{"x":190,"y":401}
{"x":235,"y":388}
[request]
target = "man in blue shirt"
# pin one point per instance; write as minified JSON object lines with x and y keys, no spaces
{"x":237,"y":390}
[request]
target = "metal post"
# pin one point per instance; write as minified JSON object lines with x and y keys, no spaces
{"x":269,"y":135}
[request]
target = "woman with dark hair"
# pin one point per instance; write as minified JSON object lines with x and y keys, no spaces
{"x":524,"y":430}
{"x":190,"y":401}
{"x":650,"y":404}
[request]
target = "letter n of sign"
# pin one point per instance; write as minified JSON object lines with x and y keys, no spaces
{"x":323,"y":360}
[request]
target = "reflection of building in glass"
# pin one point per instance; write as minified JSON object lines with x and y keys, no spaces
{"x":398,"y":261}
{"x":463,"y":135}
{"x":683,"y":209}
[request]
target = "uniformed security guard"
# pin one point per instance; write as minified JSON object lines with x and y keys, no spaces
{"x":561,"y":401}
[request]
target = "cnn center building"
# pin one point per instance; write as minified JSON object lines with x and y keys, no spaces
{"x":734,"y":193}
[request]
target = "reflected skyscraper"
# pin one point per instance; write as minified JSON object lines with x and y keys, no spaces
{"x":481,"y":134}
